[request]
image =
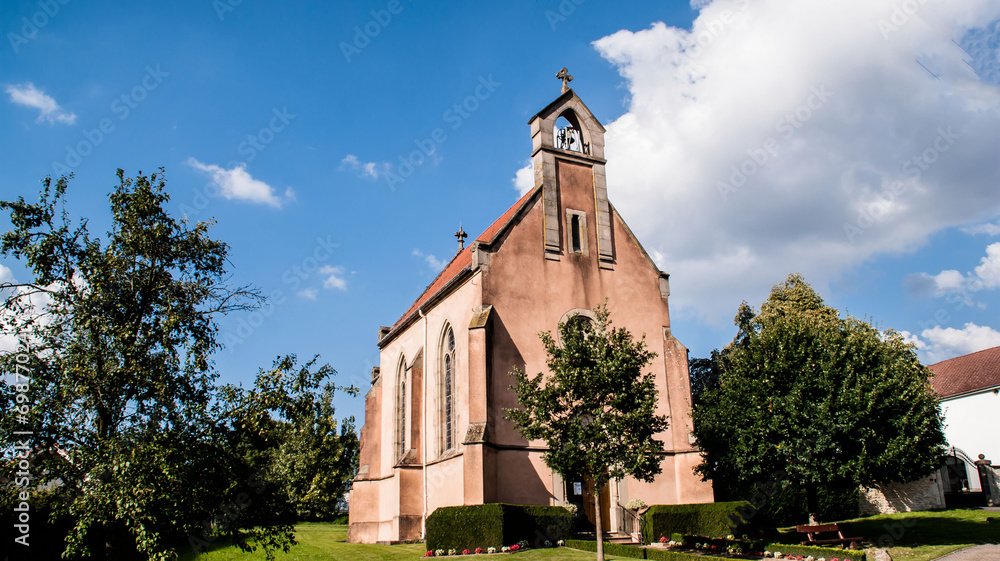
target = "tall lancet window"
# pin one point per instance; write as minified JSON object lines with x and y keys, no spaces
{"x":401,"y":408}
{"x":448,"y":390}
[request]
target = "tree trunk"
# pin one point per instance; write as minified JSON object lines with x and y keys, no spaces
{"x":598,"y":527}
{"x":812,"y":503}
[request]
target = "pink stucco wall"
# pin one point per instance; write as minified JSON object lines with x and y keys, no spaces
{"x":528,"y":294}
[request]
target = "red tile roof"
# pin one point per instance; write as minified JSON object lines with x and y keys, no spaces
{"x":463,"y":259}
{"x":967,"y":373}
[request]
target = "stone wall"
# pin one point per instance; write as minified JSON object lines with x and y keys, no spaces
{"x":995,"y":485}
{"x":923,"y":494}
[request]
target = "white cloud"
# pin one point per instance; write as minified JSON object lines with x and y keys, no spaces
{"x":334,"y":277}
{"x":365,"y":170}
{"x":778,"y":137}
{"x":8,"y":341}
{"x":941,"y":343}
{"x":236,"y":183}
{"x":33,"y":304}
{"x":28,"y":95}
{"x":433,"y":262}
{"x":952,"y":283}
{"x":524,"y":179}
{"x":308,"y":293}
{"x":989,"y":229}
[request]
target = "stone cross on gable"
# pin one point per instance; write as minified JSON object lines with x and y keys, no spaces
{"x":566,"y":78}
{"x":461,"y":235}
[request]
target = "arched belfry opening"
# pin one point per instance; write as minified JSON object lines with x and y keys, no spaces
{"x":566,"y":137}
{"x":569,"y":135}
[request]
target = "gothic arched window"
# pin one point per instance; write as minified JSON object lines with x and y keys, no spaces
{"x":447,"y":389}
{"x":401,"y":408}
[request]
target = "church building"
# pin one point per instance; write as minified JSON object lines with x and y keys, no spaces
{"x":434,"y":432}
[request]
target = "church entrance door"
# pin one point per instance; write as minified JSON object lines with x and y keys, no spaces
{"x":580,"y":491}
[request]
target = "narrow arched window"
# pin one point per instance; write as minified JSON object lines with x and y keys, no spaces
{"x":448,"y":390}
{"x":575,"y":232}
{"x":401,"y":409}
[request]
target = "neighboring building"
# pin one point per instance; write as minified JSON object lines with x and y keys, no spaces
{"x":434,"y":432}
{"x":969,"y":389}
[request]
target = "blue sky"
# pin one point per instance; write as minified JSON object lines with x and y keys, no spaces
{"x":854,"y":141}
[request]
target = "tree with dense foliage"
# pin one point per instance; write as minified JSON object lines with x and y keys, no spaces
{"x":285,"y":425}
{"x":114,"y":379}
{"x":595,"y":409}
{"x":820,"y":401}
{"x":703,"y":374}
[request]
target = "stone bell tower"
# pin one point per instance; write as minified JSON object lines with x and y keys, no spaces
{"x":556,"y":148}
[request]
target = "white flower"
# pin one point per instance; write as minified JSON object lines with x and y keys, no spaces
{"x":636,"y":504}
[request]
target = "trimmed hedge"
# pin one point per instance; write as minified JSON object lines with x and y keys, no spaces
{"x":708,"y":519}
{"x":618,"y":550}
{"x":723,"y":543}
{"x":496,"y":525}
{"x":807,"y":550}
{"x":759,"y":545}
{"x":540,"y":523}
{"x":665,"y":555}
{"x":633,"y":552}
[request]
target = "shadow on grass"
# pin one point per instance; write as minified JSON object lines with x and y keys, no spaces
{"x":187,"y":553}
{"x":941,"y":527}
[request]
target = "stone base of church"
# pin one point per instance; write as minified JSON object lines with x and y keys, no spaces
{"x":404,"y":528}
{"x":363,"y":532}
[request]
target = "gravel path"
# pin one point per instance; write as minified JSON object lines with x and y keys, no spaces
{"x":974,"y":553}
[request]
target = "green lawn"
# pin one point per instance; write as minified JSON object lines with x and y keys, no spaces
{"x":920,"y":536}
{"x":319,"y":541}
{"x":915,"y":536}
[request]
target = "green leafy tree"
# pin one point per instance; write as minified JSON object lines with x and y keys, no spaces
{"x":816,"y":400}
{"x":704,"y":375}
{"x":595,"y":409}
{"x":115,"y":344}
{"x":285,"y":426}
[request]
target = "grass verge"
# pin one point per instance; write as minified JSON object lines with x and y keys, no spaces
{"x":319,"y":541}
